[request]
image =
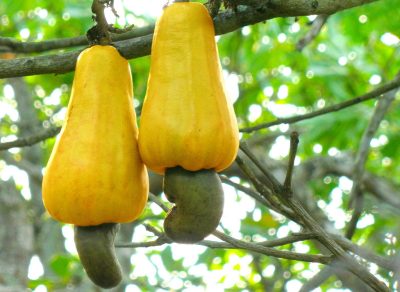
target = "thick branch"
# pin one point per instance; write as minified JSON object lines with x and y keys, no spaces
{"x":65,"y":62}
{"x":225,"y":22}
{"x":16,"y":46}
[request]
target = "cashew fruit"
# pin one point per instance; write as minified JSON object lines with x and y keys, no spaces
{"x":95,"y":174}
{"x":199,"y":201}
{"x":187,"y":119}
{"x":188,"y":128}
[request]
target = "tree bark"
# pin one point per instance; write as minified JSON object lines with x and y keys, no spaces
{"x":16,"y":238}
{"x":224,"y":22}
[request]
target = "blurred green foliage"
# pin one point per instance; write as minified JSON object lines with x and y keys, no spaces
{"x":348,"y":58}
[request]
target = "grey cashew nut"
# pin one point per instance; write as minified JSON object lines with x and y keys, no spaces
{"x":199,"y":202}
{"x":95,"y":245}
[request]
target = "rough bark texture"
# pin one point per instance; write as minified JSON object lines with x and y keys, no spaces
{"x":16,"y":238}
{"x":45,"y":239}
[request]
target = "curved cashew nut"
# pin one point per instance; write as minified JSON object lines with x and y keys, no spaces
{"x":199,"y":202}
{"x":95,"y":245}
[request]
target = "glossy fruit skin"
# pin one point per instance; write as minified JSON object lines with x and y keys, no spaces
{"x":95,"y":174}
{"x":187,"y":119}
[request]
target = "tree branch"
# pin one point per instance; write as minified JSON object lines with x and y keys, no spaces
{"x":317,"y":280}
{"x":317,"y":25}
{"x":332,"y":164}
{"x":356,"y":195}
{"x":255,"y":195}
{"x":232,"y":243}
{"x":225,"y":22}
{"x":339,"y":242}
{"x":158,"y":201}
{"x":216,"y":244}
{"x":348,"y":262}
{"x":32,"y":169}
{"x":16,"y":46}
{"x":265,"y":191}
{"x":65,"y":62}
{"x":31,"y":140}
{"x":308,"y":222}
{"x":272,"y":252}
{"x":388,"y":263}
{"x":294,"y":142}
{"x":375,"y":93}
{"x":270,"y":181}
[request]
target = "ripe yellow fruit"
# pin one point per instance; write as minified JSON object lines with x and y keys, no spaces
{"x":95,"y":174}
{"x":186,"y":119}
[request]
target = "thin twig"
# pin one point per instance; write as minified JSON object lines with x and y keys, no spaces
{"x":388,"y":263}
{"x":158,"y":201}
{"x":159,"y":241}
{"x":356,"y":195}
{"x":238,"y":244}
{"x":375,"y":93}
{"x":303,"y":216}
{"x":349,"y":262}
{"x":256,"y":196}
{"x":341,"y":256}
{"x":272,"y":182}
{"x":264,"y":191}
{"x":357,"y":199}
{"x":272,"y":252}
{"x":217,"y":244}
{"x":294,"y":142}
{"x":266,"y":283}
{"x":153,"y":230}
{"x":31,"y":140}
{"x":295,"y":237}
{"x":317,"y":280}
{"x":316,"y":27}
{"x":33,"y":171}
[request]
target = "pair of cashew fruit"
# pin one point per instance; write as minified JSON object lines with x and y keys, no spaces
{"x":96,"y":175}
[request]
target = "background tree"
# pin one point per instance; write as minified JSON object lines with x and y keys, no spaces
{"x":316,"y":68}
